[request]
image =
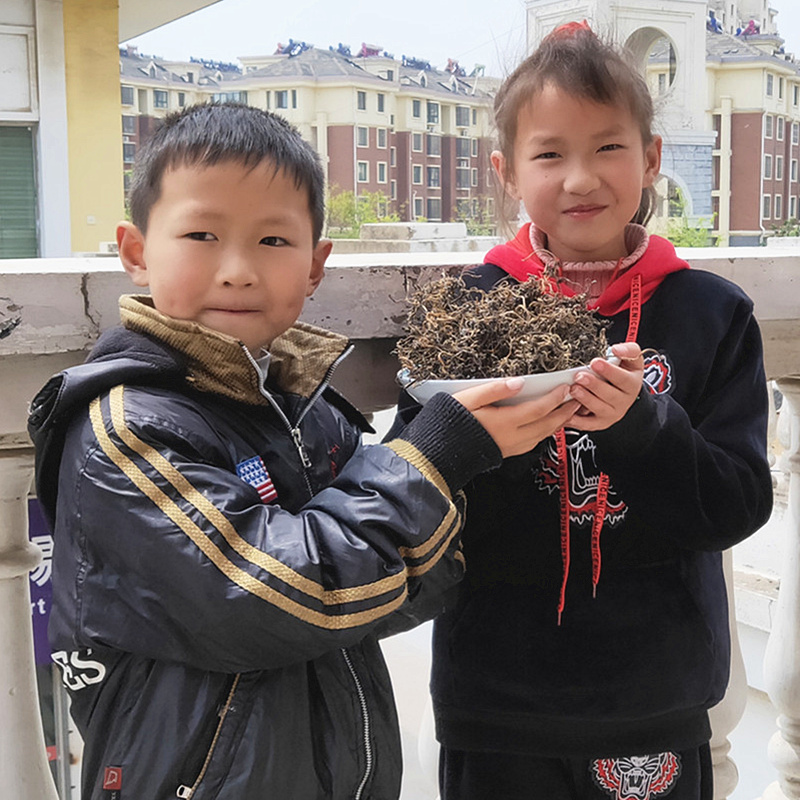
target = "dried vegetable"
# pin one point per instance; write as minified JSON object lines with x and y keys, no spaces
{"x":455,"y":332}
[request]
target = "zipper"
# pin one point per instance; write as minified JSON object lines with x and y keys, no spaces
{"x":294,"y":430}
{"x":366,"y":725}
{"x":187,"y":792}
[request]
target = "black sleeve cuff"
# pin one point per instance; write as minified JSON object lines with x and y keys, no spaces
{"x":452,"y":440}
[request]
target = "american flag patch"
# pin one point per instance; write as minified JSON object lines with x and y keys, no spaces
{"x":255,"y":473}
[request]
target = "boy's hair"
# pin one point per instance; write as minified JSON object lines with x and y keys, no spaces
{"x":209,"y":133}
{"x":574,"y":59}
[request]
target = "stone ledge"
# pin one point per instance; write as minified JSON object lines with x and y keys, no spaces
{"x":756,"y":596}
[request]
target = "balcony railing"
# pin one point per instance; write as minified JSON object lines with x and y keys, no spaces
{"x":51,"y":311}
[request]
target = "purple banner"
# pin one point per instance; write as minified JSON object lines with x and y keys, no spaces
{"x":41,"y":587}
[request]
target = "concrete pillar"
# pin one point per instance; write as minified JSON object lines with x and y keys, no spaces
{"x":23,"y":760}
{"x":723,"y":223}
{"x":782,"y":657}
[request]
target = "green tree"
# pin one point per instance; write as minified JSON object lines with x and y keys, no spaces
{"x":347,"y":212}
{"x":680,"y":232}
{"x":476,"y":215}
{"x":791,"y":227}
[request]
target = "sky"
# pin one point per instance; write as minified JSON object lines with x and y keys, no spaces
{"x":487,"y":32}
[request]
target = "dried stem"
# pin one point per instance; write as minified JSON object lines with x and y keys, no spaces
{"x":513,"y":329}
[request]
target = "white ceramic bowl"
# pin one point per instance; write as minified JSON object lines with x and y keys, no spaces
{"x":534,"y":386}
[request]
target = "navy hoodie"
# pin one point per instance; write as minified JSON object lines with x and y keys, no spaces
{"x":593,"y":619}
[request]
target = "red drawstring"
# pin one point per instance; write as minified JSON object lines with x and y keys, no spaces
{"x":563,"y":493}
{"x":601,"y":501}
{"x":597,"y":527}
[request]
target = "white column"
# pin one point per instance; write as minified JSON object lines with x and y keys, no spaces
{"x":24,"y":771}
{"x":726,"y":715}
{"x":782,"y":657}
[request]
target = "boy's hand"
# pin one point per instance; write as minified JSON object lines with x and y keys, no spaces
{"x":607,"y":391}
{"x":517,"y":429}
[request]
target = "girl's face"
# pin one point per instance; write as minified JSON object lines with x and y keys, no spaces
{"x":579,"y":169}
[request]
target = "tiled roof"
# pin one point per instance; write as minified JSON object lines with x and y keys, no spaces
{"x":724,"y":48}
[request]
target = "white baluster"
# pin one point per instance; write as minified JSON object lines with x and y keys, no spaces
{"x":725,"y":716}
{"x":782,"y":657}
{"x":24,"y":770}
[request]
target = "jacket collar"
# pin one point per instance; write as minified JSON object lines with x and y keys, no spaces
{"x":215,"y":362}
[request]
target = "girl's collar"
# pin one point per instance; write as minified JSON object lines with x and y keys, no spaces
{"x":636,"y":241}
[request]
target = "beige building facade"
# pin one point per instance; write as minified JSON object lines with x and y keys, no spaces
{"x":419,"y":136}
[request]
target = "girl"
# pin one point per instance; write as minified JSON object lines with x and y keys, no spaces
{"x":591,"y":634}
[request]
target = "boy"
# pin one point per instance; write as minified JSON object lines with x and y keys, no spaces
{"x":226,"y":548}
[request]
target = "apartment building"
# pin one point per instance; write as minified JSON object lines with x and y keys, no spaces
{"x":753,"y":108}
{"x":418,"y":135}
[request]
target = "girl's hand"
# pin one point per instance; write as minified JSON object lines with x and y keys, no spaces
{"x":607,"y":391}
{"x":518,"y":429}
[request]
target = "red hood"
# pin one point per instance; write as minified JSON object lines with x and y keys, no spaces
{"x":518,"y":259}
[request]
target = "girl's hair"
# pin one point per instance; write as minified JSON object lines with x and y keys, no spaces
{"x":574,"y":59}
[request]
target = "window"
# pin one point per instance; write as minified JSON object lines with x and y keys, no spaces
{"x":18,"y":193}
{"x":416,"y":142}
{"x":282,"y":99}
{"x":463,"y":147}
{"x":416,"y":173}
{"x":433,"y":112}
{"x":462,"y":178}
{"x":781,"y":128}
{"x":434,"y":145}
{"x":363,"y":171}
{"x":770,"y":85}
{"x":434,"y":208}
{"x":128,"y":124}
{"x":474,"y":116}
{"x":393,"y":156}
{"x":269,"y":100}
{"x":381,"y":102}
{"x":159,"y":98}
{"x":793,"y":170}
{"x":795,"y":133}
{"x":393,"y":190}
{"x":181,"y":99}
{"x":778,"y":168}
{"x":767,"y":166}
{"x":229,"y":97}
{"x":778,"y":206}
{"x":780,"y":97}
{"x":768,"y":123}
{"x":417,"y":207}
{"x":474,"y":148}
{"x":462,"y":116}
{"x":381,"y":172}
{"x":766,"y":206}
{"x":793,"y":207}
{"x":127,"y":95}
{"x":474,"y":177}
{"x":294,"y":98}
{"x":361,"y":101}
{"x":382,"y":138}
{"x":128,"y":152}
{"x":795,"y":95}
{"x":142,"y":97}
{"x":416,"y":108}
{"x":433,"y":177}
{"x":362,"y":136}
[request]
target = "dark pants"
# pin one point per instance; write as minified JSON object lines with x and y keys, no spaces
{"x":686,"y":775}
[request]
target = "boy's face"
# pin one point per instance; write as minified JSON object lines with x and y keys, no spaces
{"x":228,"y":247}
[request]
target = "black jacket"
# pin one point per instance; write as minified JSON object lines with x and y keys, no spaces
{"x":218,"y":633}
{"x":633,"y":669}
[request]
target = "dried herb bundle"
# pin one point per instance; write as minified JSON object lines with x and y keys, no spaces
{"x":514,"y":329}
